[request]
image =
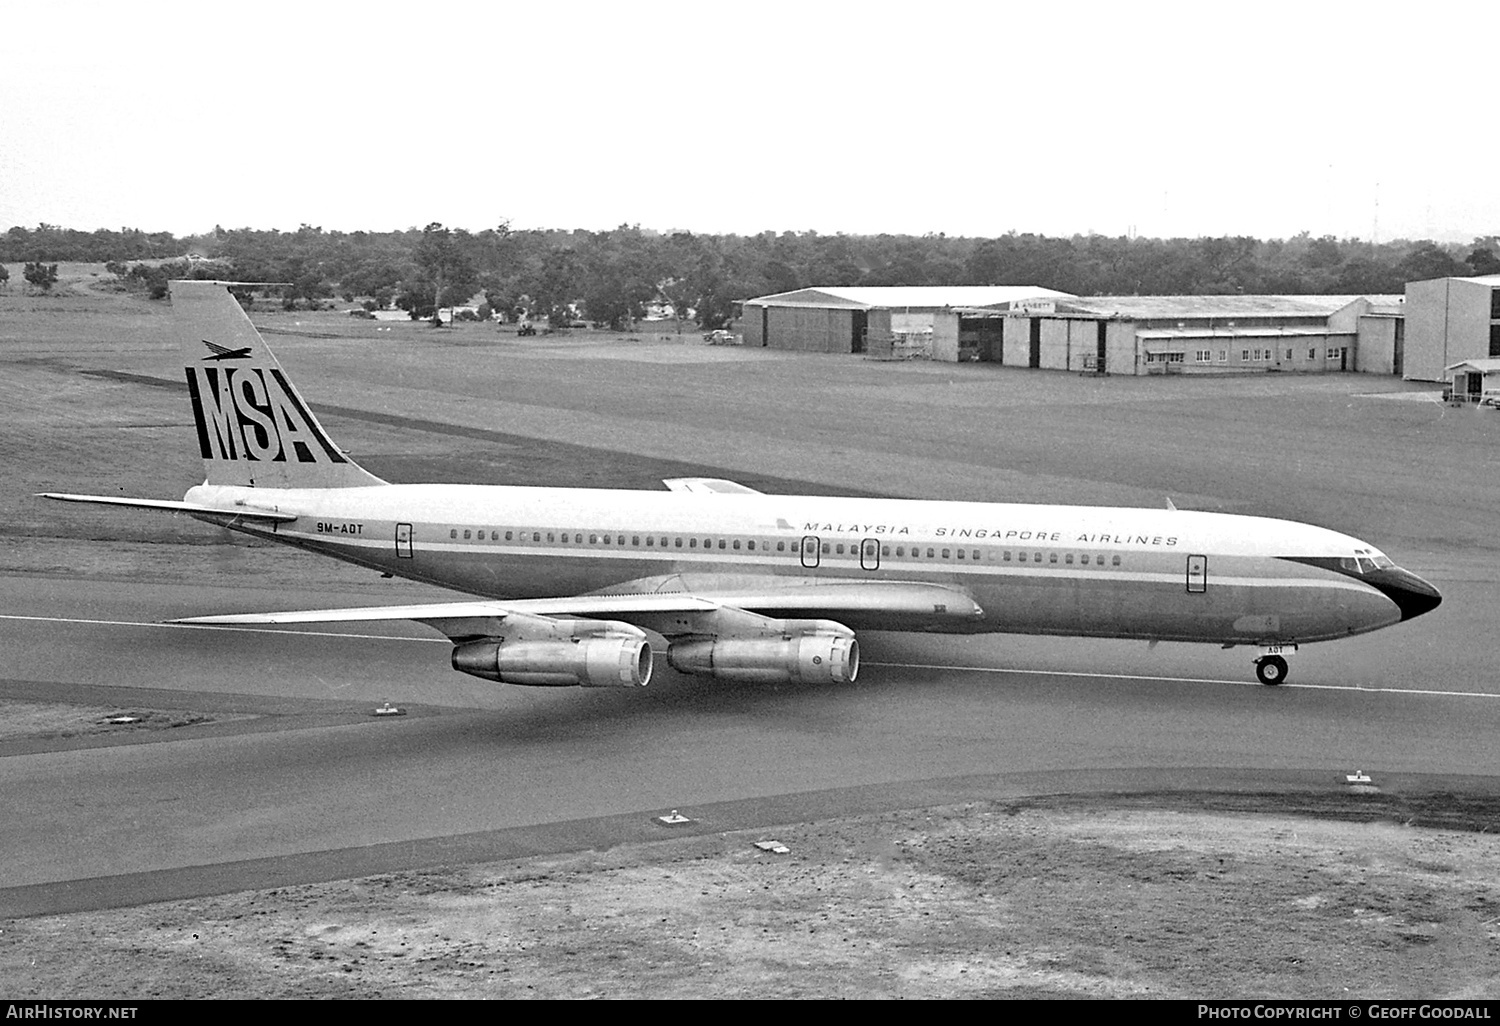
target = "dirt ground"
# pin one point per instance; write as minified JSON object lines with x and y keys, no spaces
{"x":1075,"y":897}
{"x":50,"y":719}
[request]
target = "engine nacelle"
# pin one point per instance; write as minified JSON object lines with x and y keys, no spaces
{"x":606,"y":660}
{"x":813,"y":658}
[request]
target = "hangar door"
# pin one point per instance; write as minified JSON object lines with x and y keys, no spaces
{"x":981,"y":338}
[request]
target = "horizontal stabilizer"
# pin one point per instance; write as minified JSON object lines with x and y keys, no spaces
{"x":172,"y":506}
{"x":708,"y":486}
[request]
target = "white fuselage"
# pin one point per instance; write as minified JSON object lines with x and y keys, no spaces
{"x":1067,"y":570}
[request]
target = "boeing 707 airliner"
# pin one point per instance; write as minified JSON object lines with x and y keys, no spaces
{"x":575,"y":585}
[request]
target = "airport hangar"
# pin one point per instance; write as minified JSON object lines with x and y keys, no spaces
{"x":1451,"y":321}
{"x":845,"y":320}
{"x":1031,"y":326}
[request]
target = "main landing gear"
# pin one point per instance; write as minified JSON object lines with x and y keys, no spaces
{"x":1270,"y":665}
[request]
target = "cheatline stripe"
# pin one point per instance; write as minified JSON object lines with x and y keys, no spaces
{"x":866,"y":662}
{"x":926,"y":569}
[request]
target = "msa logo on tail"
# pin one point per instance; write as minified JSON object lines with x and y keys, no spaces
{"x":254,"y":428}
{"x":252,"y":413}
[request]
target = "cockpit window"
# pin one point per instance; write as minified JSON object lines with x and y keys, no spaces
{"x":1365,"y":561}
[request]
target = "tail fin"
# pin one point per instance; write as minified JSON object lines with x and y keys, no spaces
{"x":254,"y":428}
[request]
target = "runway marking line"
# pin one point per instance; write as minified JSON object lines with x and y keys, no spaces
{"x":1190,"y":680}
{"x":1429,"y":692}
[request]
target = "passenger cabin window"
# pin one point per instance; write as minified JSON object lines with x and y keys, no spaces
{"x":453,"y":533}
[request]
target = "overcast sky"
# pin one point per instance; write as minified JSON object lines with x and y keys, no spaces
{"x":975,"y":118}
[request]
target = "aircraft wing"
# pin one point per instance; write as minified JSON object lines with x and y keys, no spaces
{"x":173,"y":506}
{"x":661,"y":604}
{"x":708,"y":485}
{"x":610,"y":605}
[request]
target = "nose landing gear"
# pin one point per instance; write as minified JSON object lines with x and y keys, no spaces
{"x":1270,"y":665}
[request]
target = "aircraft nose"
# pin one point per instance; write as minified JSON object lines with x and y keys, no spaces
{"x":1412,"y":595}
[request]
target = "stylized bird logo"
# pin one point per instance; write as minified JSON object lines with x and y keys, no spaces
{"x":225,"y":353}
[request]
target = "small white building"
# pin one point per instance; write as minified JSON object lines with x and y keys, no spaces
{"x":1469,"y":380}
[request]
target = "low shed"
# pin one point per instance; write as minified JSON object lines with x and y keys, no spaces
{"x":1471,"y":379}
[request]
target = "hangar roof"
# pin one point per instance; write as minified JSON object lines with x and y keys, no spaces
{"x":1492,"y":280}
{"x":865,"y":297}
{"x":1161,"y":307}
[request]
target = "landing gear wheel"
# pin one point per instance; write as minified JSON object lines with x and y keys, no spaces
{"x":1271,"y":670}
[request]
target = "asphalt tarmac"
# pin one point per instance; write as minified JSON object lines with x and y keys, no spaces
{"x":304,"y":783}
{"x":295,"y":780}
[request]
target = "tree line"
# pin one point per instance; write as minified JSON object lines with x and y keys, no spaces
{"x":609,"y":277}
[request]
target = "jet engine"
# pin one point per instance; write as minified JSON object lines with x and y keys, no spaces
{"x":579,"y":654}
{"x":810,"y":658}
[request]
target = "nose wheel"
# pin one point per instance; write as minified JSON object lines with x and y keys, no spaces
{"x":1271,"y":670}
